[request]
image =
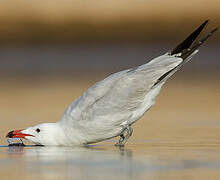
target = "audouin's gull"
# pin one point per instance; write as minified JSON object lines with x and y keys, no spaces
{"x":111,"y":106}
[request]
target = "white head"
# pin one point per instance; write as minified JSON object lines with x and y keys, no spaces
{"x":41,"y":134}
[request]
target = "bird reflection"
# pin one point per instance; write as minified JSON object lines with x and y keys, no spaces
{"x":87,"y":161}
{"x":41,"y":151}
{"x":15,"y":149}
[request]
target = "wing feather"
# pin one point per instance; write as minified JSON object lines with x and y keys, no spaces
{"x":114,"y":99}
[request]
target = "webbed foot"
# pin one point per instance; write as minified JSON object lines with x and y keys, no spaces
{"x":123,"y":138}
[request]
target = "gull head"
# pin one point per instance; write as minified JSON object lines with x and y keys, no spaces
{"x":41,"y":134}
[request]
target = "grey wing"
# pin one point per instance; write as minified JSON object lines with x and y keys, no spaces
{"x":117,"y":98}
{"x":113,"y":100}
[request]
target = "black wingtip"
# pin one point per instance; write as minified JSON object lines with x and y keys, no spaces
{"x":186,"y":48}
{"x":189,"y":40}
{"x":190,"y":50}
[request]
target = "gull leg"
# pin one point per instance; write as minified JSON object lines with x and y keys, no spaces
{"x":123,"y":138}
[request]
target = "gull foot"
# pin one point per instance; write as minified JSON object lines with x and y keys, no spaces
{"x":123,"y":138}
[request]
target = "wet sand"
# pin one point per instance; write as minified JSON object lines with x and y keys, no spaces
{"x":156,"y":160}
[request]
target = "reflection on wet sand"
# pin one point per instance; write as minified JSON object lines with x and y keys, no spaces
{"x":80,"y":162}
{"x":108,"y":162}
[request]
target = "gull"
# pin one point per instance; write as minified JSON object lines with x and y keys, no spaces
{"x":110,"y":107}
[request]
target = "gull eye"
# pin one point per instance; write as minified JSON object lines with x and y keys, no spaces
{"x":38,"y":130}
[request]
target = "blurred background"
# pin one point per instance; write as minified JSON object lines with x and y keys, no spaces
{"x":52,"y":51}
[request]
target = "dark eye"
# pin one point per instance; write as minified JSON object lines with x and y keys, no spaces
{"x":38,"y":130}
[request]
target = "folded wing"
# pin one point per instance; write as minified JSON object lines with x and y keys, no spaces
{"x":114,"y":100}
